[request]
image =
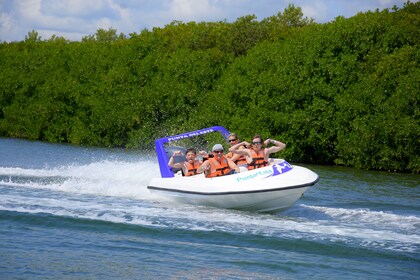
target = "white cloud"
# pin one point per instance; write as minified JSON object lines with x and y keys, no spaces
{"x":7,"y":23}
{"x":73,"y":8}
{"x":315,"y":9}
{"x":191,"y":9}
{"x":74,"y":19}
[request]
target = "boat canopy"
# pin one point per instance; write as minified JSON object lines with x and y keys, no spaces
{"x":165,"y":170}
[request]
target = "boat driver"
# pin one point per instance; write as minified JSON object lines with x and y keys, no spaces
{"x":218,"y":165}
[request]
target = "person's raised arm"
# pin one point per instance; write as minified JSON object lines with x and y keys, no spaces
{"x":233,"y":166}
{"x":278,"y":146}
{"x":235,"y":157}
{"x":235,"y":148}
{"x":204,"y":168}
{"x":171,"y":162}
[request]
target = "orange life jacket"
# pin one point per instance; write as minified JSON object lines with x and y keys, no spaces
{"x":241,"y":160}
{"x":192,"y":168}
{"x":218,"y":169}
{"x":257,"y":159}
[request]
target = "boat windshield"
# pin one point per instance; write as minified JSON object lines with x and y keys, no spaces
{"x":202,"y":139}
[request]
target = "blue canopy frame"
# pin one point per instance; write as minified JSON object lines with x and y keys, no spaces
{"x":165,"y":170}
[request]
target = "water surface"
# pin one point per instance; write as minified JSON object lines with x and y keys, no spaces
{"x":74,"y":212}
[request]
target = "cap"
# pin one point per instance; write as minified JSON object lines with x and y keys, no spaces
{"x":217,"y":147}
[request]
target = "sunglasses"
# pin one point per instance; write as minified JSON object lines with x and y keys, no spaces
{"x":256,"y":143}
{"x":232,"y":140}
{"x":218,"y":152}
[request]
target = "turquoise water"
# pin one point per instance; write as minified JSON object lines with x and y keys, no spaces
{"x":85,"y":213}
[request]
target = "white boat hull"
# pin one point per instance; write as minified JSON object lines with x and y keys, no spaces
{"x":270,"y":189}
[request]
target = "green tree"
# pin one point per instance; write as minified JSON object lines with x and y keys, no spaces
{"x":33,"y":37}
{"x":344,"y":92}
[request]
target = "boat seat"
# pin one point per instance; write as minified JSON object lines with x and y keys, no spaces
{"x":243,"y":168}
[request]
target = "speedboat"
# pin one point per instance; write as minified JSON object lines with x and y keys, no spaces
{"x":273,"y":188}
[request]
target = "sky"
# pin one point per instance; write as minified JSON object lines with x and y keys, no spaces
{"x":74,"y":19}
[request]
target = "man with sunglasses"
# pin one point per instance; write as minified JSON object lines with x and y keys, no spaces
{"x":218,"y":165}
{"x":236,"y":158}
{"x":257,"y":156}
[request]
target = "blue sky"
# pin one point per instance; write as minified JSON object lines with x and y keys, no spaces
{"x":74,"y":19}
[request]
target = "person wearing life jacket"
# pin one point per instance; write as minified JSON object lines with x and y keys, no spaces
{"x":257,"y":156}
{"x":218,"y":165}
{"x":190,"y":166}
{"x":236,"y":158}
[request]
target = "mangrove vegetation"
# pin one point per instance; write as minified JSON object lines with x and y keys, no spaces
{"x":344,"y":92}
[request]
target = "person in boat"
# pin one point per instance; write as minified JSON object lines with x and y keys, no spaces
{"x":236,"y":158}
{"x":258,"y":156}
{"x":189,"y":167}
{"x":218,"y":165}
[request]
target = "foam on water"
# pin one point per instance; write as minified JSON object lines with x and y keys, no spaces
{"x":107,"y":178}
{"x":115,"y":191}
{"x":371,"y":218}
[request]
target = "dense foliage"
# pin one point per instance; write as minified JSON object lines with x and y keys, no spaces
{"x":345,"y":92}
